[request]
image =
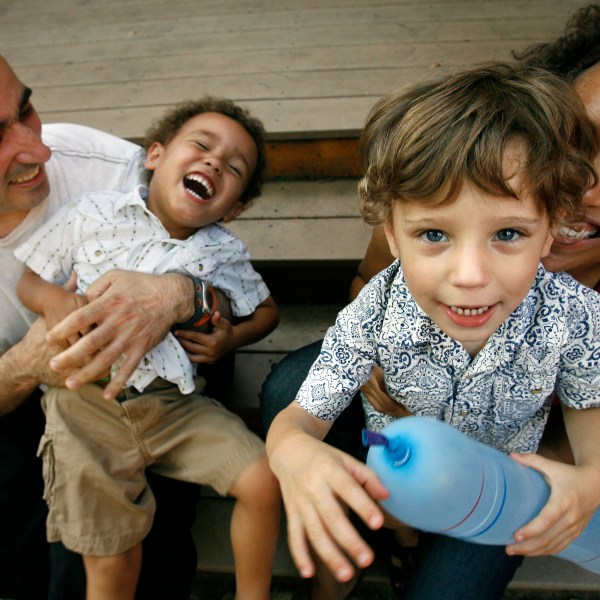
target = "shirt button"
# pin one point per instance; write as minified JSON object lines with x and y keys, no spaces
{"x":463,"y":413}
{"x":536,"y":391}
{"x":200,"y":266}
{"x":98,"y":253}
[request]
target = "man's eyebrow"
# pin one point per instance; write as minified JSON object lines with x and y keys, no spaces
{"x":25,"y":97}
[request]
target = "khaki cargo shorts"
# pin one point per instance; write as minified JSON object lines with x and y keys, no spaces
{"x":95,"y":452}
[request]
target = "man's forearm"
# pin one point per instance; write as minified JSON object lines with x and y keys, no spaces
{"x":24,"y":366}
{"x":16,"y":380}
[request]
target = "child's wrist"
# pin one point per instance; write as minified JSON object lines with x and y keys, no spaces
{"x":205,"y":303}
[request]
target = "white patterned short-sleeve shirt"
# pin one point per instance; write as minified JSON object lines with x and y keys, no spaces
{"x":110,"y":230}
{"x":501,"y":397}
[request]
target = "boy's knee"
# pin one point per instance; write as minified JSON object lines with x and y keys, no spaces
{"x":124,"y":565}
{"x":257,"y":485}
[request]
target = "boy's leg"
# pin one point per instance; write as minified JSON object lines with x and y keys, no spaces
{"x":113,"y":577}
{"x":254,"y":530}
{"x":169,"y":553}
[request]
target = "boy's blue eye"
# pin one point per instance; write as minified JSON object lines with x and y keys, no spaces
{"x":434,"y":236}
{"x":507,"y":235}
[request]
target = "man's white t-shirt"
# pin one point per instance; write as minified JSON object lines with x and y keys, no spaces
{"x":83,"y":160}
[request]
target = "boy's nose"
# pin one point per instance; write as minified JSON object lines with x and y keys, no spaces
{"x":470,"y":268}
{"x":214,"y":163}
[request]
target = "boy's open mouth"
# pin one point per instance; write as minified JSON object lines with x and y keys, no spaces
{"x":198,"y":186}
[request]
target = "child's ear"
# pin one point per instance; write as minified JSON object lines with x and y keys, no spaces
{"x":548,"y":243}
{"x":234,"y":212}
{"x":389,"y":234}
{"x":153,"y":156}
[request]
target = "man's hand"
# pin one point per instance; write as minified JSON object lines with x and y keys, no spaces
{"x":375,"y":392}
{"x":127,"y":315}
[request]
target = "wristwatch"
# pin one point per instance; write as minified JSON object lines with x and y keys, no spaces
{"x":205,"y":303}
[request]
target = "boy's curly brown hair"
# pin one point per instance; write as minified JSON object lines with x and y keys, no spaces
{"x":422,"y":143}
{"x":166,"y":127}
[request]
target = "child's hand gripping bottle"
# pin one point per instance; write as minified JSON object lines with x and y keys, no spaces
{"x":442,"y":481}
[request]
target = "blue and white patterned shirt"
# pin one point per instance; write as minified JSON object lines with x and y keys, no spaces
{"x":501,"y":397}
{"x":111,"y":230}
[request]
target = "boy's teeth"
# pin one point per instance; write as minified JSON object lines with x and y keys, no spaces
{"x":578,"y":234}
{"x":199,"y":186}
{"x":469,"y":312}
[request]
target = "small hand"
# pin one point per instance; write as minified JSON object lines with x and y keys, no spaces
{"x":567,"y":512}
{"x":318,"y":483}
{"x":208,"y":347}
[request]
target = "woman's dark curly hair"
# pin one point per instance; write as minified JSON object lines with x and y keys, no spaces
{"x":574,"y":52}
{"x":167,"y":126}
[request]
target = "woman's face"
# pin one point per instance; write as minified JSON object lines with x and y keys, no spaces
{"x":580,"y":255}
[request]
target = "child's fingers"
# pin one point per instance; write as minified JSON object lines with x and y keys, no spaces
{"x":342,"y":489}
{"x":298,"y":546}
{"x":333,"y":537}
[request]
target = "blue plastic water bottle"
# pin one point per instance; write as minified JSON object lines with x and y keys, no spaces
{"x":442,"y":481}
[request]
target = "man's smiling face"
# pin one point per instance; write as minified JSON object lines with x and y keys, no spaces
{"x":23,"y":181}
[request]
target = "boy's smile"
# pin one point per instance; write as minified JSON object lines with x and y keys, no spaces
{"x":469,"y":263}
{"x":201,"y":174}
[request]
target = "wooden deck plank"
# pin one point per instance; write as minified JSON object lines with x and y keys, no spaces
{"x":232,"y":62}
{"x":276,"y":240}
{"x":261,"y":16}
{"x":284,"y":119}
{"x":121,"y":42}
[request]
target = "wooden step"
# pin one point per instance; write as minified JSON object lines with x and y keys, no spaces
{"x":299,"y":326}
{"x":211,"y":533}
{"x":304,"y":221}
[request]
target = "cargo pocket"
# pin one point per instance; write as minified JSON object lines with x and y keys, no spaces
{"x":46,"y":453}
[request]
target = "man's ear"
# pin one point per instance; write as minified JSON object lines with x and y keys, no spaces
{"x":234,"y":212}
{"x":388,"y":227}
{"x":153,"y":156}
